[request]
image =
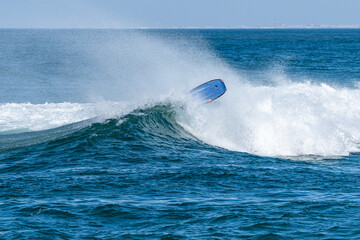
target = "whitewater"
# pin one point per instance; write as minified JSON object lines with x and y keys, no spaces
{"x":289,"y":119}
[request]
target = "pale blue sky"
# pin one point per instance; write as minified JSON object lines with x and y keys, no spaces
{"x":171,"y":13}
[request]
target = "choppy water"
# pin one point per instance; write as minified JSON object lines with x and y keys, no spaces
{"x":99,"y":139}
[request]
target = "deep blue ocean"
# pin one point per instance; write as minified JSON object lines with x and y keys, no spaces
{"x":99,"y":138}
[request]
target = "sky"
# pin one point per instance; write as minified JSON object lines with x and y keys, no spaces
{"x":178,"y":13}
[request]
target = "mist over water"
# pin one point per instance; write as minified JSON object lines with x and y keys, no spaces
{"x":141,"y":66}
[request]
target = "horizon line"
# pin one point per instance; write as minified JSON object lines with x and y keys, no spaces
{"x":194,"y":27}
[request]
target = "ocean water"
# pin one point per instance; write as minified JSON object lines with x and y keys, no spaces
{"x":99,"y":138}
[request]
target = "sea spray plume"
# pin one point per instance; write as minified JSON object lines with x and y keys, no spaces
{"x":131,"y":68}
{"x":132,"y":65}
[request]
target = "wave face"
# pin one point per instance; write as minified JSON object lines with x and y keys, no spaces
{"x":99,"y":137}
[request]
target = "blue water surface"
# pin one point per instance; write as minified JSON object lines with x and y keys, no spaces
{"x":141,"y":175}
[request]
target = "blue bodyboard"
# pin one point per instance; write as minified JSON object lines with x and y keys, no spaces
{"x":210,"y":90}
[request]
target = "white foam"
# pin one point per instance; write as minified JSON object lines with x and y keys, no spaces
{"x":25,"y":117}
{"x":32,"y":117}
{"x":289,"y":119}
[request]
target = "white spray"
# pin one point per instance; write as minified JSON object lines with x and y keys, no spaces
{"x":289,"y":119}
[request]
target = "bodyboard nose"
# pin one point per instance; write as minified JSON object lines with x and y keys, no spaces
{"x":209,"y":91}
